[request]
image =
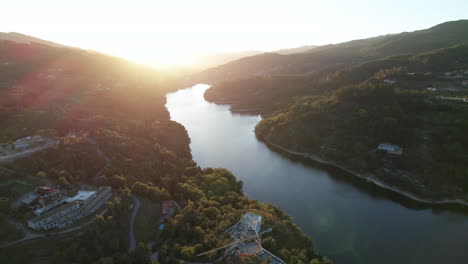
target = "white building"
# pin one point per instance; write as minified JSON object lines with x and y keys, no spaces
{"x":26,"y":141}
{"x":83,"y":204}
{"x":390,"y":148}
{"x":249,"y":226}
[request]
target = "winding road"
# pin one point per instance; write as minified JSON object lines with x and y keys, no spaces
{"x":10,"y":158}
{"x":131,"y":232}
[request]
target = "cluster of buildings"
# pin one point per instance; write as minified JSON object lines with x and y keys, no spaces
{"x":27,"y":141}
{"x":249,"y":226}
{"x":43,"y":199}
{"x":390,"y":81}
{"x":54,"y":210}
{"x":453,"y":75}
{"x":390,"y":148}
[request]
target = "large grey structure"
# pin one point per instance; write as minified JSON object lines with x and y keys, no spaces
{"x":75,"y":208}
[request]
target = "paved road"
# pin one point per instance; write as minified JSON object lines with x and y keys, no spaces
{"x":20,"y":155}
{"x":131,"y":231}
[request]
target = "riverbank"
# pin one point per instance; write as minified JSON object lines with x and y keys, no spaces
{"x":368,"y":177}
{"x":350,"y":219}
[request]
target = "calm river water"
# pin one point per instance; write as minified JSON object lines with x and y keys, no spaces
{"x":350,"y":220}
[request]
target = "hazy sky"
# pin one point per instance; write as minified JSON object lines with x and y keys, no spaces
{"x":169,"y":31}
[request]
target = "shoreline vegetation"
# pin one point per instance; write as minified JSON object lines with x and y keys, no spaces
{"x":368,"y":176}
{"x":341,"y":101}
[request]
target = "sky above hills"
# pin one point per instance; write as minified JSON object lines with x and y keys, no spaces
{"x":164,"y":32}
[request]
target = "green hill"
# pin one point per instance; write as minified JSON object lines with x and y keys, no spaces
{"x":22,"y":38}
{"x":342,"y":55}
{"x":406,"y":89}
{"x":125,"y":139}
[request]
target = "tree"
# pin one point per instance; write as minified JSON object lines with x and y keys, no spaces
{"x":118,"y":181}
{"x":141,"y":254}
{"x":106,"y":260}
{"x":63,"y":181}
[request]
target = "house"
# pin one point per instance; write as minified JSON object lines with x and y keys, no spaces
{"x":166,"y":206}
{"x":74,"y":209}
{"x":43,"y":199}
{"x":390,"y":81}
{"x":432,"y":89}
{"x":29,"y":140}
{"x":390,"y":148}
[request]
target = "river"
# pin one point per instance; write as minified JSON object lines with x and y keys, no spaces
{"x":350,"y":220}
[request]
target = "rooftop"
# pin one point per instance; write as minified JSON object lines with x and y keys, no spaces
{"x":249,"y":225}
{"x":81,"y":196}
{"x":52,"y":212}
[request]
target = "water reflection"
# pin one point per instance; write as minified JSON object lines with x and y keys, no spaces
{"x":351,"y":220}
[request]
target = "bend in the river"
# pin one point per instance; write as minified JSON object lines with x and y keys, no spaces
{"x":350,"y":220}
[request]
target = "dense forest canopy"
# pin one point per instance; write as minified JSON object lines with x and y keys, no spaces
{"x":122,"y":137}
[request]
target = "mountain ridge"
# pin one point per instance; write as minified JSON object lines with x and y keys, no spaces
{"x":23,"y":38}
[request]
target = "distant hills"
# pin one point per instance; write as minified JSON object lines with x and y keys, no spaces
{"x":201,"y":61}
{"x":212,"y":59}
{"x":21,"y":38}
{"x":342,"y":55}
{"x":301,"y":49}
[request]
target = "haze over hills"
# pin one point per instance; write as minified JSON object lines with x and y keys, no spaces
{"x":22,"y":38}
{"x":198,"y":61}
{"x":212,"y":59}
{"x":341,"y":55}
{"x":98,"y":120}
{"x":301,"y":49}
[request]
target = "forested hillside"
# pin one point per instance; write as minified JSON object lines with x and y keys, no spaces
{"x":121,"y":136}
{"x":337,"y":56}
{"x":413,"y":99}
